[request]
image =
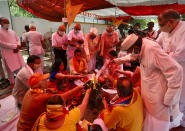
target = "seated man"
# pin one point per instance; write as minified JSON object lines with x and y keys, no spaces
{"x":35,"y":100}
{"x":21,"y":81}
{"x":58,"y":118}
{"x":127,"y":112}
{"x":77,"y":64}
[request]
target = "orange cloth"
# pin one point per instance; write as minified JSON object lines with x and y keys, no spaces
{"x":33,"y":105}
{"x":72,"y":11}
{"x":69,"y":124}
{"x":126,"y":117}
{"x":54,"y":111}
{"x":79,"y":66}
{"x":36,"y":78}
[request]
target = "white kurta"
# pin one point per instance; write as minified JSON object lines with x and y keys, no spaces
{"x":9,"y":41}
{"x":174,"y":44}
{"x":71,"y":49}
{"x":35,"y":39}
{"x":161,"y":81}
{"x":21,"y":83}
{"x":35,"y":42}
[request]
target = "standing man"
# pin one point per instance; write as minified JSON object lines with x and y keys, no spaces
{"x":36,"y":44}
{"x":59,"y":44}
{"x":172,"y":40}
{"x":27,"y":29}
{"x":75,"y":40}
{"x":109,"y":40}
{"x":21,"y":81}
{"x":91,"y":47}
{"x":150,"y":32}
{"x":10,"y":45}
{"x":161,"y":81}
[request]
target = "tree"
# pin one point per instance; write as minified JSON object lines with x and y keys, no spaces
{"x":15,"y":10}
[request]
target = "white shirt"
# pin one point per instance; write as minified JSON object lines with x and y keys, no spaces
{"x":35,"y":46}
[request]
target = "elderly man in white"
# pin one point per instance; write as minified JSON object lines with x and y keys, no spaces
{"x":10,"y":45}
{"x":161,"y":81}
{"x":172,"y":40}
{"x":21,"y":81}
{"x":36,"y":44}
{"x":91,"y":47}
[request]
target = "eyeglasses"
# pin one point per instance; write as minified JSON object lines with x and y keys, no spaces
{"x":163,"y":24}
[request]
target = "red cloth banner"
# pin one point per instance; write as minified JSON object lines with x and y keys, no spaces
{"x":152,"y":10}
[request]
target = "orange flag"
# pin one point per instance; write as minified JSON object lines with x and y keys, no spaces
{"x":72,"y":11}
{"x":116,"y":22}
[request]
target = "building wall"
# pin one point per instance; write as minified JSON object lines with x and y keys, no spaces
{"x":4,"y":10}
{"x":44,"y":26}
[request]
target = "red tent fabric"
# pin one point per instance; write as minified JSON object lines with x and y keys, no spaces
{"x":53,"y":10}
{"x":153,"y":9}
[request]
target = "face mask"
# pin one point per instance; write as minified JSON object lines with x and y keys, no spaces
{"x":61,"y":33}
{"x":92,"y":37}
{"x":77,"y":31}
{"x":109,"y":33}
{"x":36,"y":66}
{"x":6,"y":26}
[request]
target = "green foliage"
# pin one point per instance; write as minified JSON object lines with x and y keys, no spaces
{"x":143,"y":22}
{"x":183,"y":17}
{"x":15,"y":10}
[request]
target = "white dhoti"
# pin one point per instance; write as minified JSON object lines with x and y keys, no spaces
{"x":153,"y":124}
{"x":41,"y":68}
{"x":2,"y":74}
{"x":10,"y":73}
{"x":92,"y":63}
{"x":182,"y":109}
{"x":182,"y":99}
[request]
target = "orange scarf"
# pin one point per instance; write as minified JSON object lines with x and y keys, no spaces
{"x":79,"y":66}
{"x":54,"y":111}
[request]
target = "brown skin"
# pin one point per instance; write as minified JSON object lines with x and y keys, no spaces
{"x":32,"y":65}
{"x":78,"y":56}
{"x":167,"y":25}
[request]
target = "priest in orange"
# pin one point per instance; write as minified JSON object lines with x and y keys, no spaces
{"x":78,"y":64}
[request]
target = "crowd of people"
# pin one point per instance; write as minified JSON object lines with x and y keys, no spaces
{"x":139,"y":87}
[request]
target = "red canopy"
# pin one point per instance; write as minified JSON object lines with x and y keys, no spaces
{"x":54,"y":9}
{"x":153,"y":9}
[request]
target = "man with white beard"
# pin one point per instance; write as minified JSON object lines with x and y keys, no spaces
{"x":161,"y":81}
{"x":172,"y":40}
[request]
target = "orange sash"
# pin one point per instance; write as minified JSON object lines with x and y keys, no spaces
{"x":79,"y":66}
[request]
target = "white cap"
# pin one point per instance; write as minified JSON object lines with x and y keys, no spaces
{"x":31,"y":26}
{"x":94,"y":30}
{"x":129,"y":42}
